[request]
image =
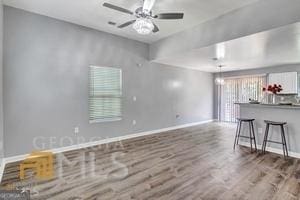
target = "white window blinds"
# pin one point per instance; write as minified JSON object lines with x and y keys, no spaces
{"x":105,"y":94}
{"x":239,"y":89}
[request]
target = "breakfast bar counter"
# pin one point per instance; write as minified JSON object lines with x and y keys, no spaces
{"x":274,"y":112}
{"x":282,"y":106}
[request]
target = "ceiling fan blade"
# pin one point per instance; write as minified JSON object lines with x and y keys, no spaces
{"x":108,"y":5}
{"x":169,"y":16}
{"x":126,"y":24}
{"x":155,"y":29}
{"x":148,"y":4}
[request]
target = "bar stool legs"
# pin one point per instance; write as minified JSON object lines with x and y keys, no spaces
{"x":265,"y":138}
{"x":283,"y":139}
{"x":251,"y":133}
{"x":284,"y":146}
{"x":237,"y":134}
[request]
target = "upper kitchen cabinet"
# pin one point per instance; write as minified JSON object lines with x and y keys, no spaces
{"x":288,"y":80}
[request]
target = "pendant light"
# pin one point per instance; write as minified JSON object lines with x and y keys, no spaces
{"x":220,"y":80}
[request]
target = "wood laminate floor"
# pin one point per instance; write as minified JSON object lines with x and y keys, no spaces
{"x":192,"y":163}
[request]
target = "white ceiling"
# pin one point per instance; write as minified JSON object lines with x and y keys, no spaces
{"x":90,"y":13}
{"x":271,"y":48}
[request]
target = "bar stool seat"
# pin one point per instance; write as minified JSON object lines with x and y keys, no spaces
{"x":245,"y":119}
{"x":275,"y":123}
{"x":283,"y":139}
{"x":251,"y":132}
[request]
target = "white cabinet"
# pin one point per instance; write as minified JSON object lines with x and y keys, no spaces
{"x":288,"y":80}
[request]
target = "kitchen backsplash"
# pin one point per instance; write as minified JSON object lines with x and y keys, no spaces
{"x":284,"y":98}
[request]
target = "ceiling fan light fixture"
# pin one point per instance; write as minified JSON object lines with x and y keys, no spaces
{"x":143,"y":17}
{"x":143,"y":26}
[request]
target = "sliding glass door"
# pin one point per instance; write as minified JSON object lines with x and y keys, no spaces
{"x":239,"y":89}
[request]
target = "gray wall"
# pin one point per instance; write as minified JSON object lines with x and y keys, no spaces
{"x":46,"y":83}
{"x":265,"y":70}
{"x":1,"y":80}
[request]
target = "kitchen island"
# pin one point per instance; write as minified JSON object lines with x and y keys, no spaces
{"x":274,"y":112}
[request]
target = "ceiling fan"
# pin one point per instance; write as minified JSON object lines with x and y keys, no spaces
{"x":143,"y":23}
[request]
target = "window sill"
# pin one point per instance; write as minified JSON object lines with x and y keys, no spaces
{"x":104,"y":120}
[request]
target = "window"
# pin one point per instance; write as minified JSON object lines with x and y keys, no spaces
{"x":239,"y":89}
{"x":105,"y":94}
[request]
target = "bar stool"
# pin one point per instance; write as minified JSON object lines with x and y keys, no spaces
{"x":251,"y":132}
{"x":281,"y":125}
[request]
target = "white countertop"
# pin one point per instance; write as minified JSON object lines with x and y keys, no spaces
{"x":294,"y":106}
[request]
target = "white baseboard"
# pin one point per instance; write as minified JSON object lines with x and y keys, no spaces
{"x":100,"y":142}
{"x":273,"y":150}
